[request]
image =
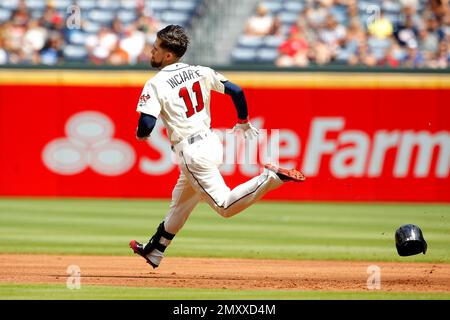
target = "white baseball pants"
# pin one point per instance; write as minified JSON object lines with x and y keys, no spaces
{"x":200,"y":178}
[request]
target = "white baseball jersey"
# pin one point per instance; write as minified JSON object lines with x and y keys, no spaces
{"x":181,"y":95}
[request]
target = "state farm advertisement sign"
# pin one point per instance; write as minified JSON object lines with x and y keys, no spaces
{"x":352,"y":144}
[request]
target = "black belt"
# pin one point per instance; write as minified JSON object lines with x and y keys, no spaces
{"x":194,"y":139}
{"x":191,"y":140}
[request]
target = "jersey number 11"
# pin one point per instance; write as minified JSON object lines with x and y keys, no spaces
{"x":184,"y":93}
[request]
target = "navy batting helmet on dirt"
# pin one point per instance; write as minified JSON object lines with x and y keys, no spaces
{"x":409,"y":240}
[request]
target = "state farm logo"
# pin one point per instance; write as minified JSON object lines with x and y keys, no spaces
{"x":89,"y":143}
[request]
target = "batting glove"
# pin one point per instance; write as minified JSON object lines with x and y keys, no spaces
{"x":249,"y":130}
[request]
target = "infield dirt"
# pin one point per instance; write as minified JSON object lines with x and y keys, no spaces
{"x":249,"y":274}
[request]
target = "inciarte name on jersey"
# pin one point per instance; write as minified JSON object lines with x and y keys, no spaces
{"x":182,"y":77}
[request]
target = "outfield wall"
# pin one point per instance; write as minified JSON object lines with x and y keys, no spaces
{"x":357,"y":137}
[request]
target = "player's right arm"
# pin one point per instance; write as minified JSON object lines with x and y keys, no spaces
{"x":145,"y":126}
{"x":149,"y":108}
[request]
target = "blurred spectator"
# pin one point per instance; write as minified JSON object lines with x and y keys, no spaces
{"x":429,"y":38}
{"x":117,"y":27}
{"x":445,"y":26}
{"x":407,"y":33}
{"x":381,"y":27}
{"x":260,"y":24}
{"x":409,"y":10}
{"x":294,"y":51}
{"x":118,"y":56}
{"x":301,"y":25}
{"x":395,"y":55}
{"x":3,"y":53}
{"x":52,"y":52}
{"x":332,"y":34}
{"x":34,"y":38}
{"x":414,"y":58}
{"x":276,"y":28}
{"x":322,"y":53}
{"x":133,"y":43}
{"x":42,"y":40}
{"x":101,"y":45}
{"x":16,"y":30}
{"x":21,"y":15}
{"x":440,"y":9}
{"x":145,"y":56}
{"x":147,"y":24}
{"x":443,"y":56}
{"x":363,"y":56}
{"x":352,"y":10}
{"x":51,"y":19}
{"x":316,"y":15}
{"x":353,"y":37}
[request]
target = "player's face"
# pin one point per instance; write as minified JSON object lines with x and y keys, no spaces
{"x":158,"y":55}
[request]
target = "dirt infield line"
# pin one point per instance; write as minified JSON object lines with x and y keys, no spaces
{"x":248,"y":274}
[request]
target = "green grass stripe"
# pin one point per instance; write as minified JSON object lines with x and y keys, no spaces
{"x":89,"y":292}
{"x":274,"y":230}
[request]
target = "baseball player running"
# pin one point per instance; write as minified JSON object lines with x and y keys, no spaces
{"x":180,"y":94}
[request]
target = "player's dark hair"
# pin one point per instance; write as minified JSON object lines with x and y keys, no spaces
{"x":174,"y":39}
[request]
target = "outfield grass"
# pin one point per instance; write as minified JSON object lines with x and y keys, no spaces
{"x":266,"y":230}
{"x":49,"y":292}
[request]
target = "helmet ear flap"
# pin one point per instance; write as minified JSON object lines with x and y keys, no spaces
{"x":409,"y":240}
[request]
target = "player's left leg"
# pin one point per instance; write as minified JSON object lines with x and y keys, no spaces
{"x":184,"y":200}
{"x":209,"y":182}
{"x":200,"y":162}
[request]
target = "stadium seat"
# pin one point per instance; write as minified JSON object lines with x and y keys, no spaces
{"x":10,"y":4}
{"x":243,"y":55}
{"x":5,"y":14}
{"x":248,"y":41}
{"x":128,"y":5}
{"x":392,"y":7}
{"x":36,"y":14}
{"x":343,"y":56}
{"x":91,"y":27}
{"x":267,"y":55}
{"x":395,"y":18}
{"x":158,"y":5}
{"x":340,"y":14}
{"x":126,"y":16}
{"x":86,"y":5}
{"x":287,"y":17}
{"x":101,"y":16}
{"x":272,"y":41}
{"x":62,"y":5}
{"x":364,"y":6}
{"x":183,"y":5}
{"x":273,"y":6}
{"x":35,"y":4}
{"x":77,"y":37}
{"x":293,"y":6}
{"x":175,"y":17}
{"x":74,"y":53}
{"x":108,"y":4}
{"x":379,"y":47}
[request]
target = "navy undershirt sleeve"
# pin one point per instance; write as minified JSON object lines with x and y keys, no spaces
{"x":145,"y":125}
{"x":237,"y":94}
